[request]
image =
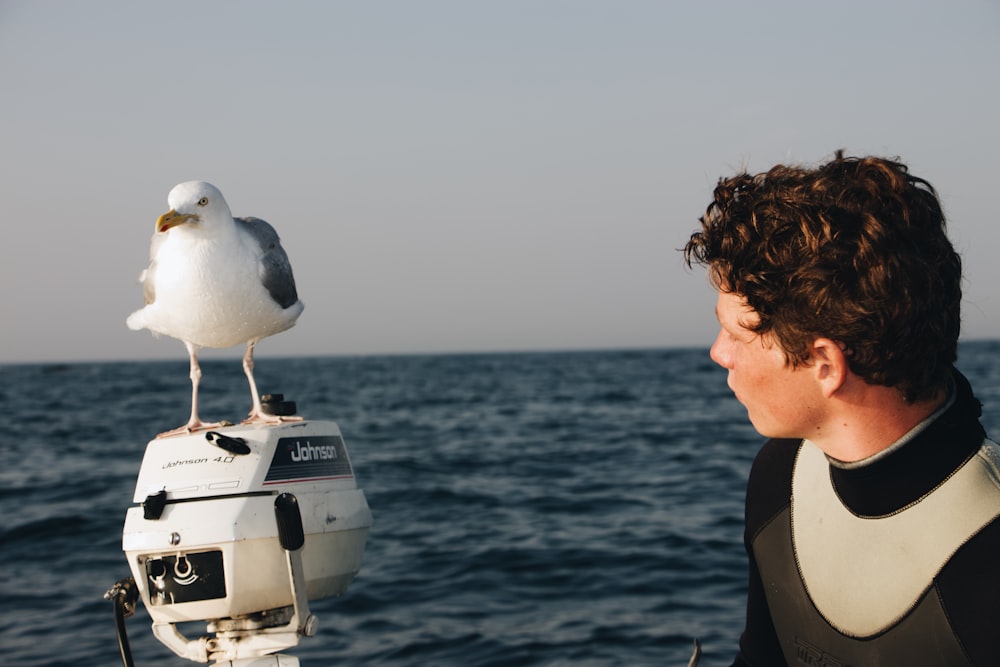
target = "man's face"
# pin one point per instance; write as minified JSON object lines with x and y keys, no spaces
{"x":781,"y":401}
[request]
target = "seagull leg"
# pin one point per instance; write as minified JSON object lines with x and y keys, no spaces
{"x":194,"y":423}
{"x":257,"y":414}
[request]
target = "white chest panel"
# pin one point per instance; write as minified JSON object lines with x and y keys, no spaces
{"x":864,"y":574}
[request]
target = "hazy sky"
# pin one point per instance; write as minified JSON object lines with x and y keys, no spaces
{"x":462,"y":176}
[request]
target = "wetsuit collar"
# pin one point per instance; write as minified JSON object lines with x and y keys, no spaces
{"x":918,"y":462}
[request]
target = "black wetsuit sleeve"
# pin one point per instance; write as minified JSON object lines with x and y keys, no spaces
{"x":759,"y":642}
{"x":969,"y":586}
{"x":769,"y":491}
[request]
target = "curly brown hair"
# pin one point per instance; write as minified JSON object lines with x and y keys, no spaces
{"x":854,"y":250}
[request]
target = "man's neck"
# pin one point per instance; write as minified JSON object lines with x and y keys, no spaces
{"x":864,"y":420}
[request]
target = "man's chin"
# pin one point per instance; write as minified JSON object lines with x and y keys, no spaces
{"x":764,"y":429}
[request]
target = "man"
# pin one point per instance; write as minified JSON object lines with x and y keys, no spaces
{"x":872,"y":511}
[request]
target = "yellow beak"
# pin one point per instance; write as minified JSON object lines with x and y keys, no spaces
{"x":172,"y":218}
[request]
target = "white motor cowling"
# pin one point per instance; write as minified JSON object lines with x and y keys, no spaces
{"x":239,"y":527}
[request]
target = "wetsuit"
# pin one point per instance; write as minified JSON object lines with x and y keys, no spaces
{"x":894,"y":560}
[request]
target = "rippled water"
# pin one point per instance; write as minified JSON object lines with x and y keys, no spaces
{"x":530,"y":509}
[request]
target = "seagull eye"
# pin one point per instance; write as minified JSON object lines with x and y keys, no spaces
{"x":203,"y":201}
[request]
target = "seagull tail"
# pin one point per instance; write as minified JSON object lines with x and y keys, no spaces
{"x":137,"y":320}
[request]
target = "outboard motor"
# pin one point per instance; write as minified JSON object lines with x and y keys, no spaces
{"x":239,"y":527}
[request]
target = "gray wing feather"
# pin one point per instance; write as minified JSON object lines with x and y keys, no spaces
{"x":275,"y":269}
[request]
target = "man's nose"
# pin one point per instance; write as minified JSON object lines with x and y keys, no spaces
{"x":721,"y":352}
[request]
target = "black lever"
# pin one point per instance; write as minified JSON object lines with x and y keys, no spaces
{"x":291,"y":534}
{"x":152,"y":508}
{"x":237,"y":446}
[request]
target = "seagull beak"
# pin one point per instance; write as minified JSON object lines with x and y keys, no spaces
{"x":172,"y":218}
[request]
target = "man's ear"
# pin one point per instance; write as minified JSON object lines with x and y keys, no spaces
{"x":829,"y":365}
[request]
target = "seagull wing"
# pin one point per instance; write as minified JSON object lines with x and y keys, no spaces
{"x":148,"y":276}
{"x":274,"y":268}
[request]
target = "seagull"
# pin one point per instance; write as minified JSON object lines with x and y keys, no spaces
{"x":215,"y":281}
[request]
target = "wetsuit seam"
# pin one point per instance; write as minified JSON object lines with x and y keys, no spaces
{"x":913,"y":503}
{"x":947,"y":616}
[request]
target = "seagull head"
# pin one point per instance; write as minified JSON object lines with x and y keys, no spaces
{"x":196,"y":204}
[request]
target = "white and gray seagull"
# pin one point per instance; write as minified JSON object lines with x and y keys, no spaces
{"x":215,"y":281}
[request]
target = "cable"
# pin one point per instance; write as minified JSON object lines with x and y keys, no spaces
{"x":123,"y":596}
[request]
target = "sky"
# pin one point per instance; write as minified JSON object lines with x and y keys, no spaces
{"x":454,"y":176}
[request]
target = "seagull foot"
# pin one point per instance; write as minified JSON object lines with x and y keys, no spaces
{"x":192,"y":427}
{"x":264,"y":418}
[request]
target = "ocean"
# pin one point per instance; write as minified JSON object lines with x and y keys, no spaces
{"x":574,"y":509}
